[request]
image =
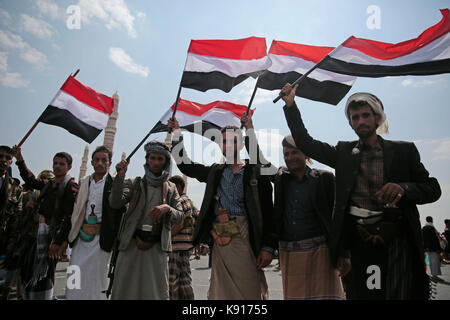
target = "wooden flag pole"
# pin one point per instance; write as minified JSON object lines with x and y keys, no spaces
{"x":36,"y":123}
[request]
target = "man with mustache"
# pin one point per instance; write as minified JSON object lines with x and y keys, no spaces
{"x":376,"y":228}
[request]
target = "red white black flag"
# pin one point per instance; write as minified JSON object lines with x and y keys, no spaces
{"x":214,"y":115}
{"x":223,"y":64}
{"x":291,"y":60}
{"x":79,"y":109}
{"x":427,"y":54}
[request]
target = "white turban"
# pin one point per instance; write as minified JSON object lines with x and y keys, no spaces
{"x":376,"y":106}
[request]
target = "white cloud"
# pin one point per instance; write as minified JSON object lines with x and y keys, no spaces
{"x":35,"y":57}
{"x":50,"y":8}
{"x":12,"y":41}
{"x":416,"y":83}
{"x":141,"y":15}
{"x":114,"y":13}
{"x":37,"y":27}
{"x":5,"y":17}
{"x":442,"y":151}
{"x":3,"y":61}
{"x":124,"y":62}
{"x":9,"y":40}
{"x":13,"y":80}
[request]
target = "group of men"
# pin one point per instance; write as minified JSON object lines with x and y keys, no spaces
{"x":354,"y":234}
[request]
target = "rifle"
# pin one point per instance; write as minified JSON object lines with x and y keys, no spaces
{"x":114,"y":256}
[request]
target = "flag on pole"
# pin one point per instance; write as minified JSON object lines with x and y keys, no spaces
{"x":223,"y":64}
{"x":291,"y":60}
{"x":427,"y":54}
{"x":214,"y":115}
{"x":79,"y":109}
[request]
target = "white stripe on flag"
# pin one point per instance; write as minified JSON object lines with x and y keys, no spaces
{"x":230,"y":67}
{"x":285,"y":64}
{"x":80,"y":110}
{"x":217,"y":116}
{"x":439,"y":49}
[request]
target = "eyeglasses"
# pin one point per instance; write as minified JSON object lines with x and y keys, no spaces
{"x":6,"y":156}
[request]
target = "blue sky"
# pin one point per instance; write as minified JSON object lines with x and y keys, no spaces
{"x":139,"y":49}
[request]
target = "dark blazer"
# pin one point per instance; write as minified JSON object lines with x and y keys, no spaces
{"x":110,"y":217}
{"x":321,"y":187}
{"x":430,"y":239}
{"x":259,"y":207}
{"x":61,"y":218}
{"x":401,"y":166}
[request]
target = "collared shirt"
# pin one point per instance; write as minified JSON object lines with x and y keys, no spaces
{"x":231,"y":192}
{"x":95,"y":197}
{"x":370,"y":178}
{"x":300,"y":218}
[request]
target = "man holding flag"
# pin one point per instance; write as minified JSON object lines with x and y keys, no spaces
{"x":236,"y":214}
{"x":55,"y":203}
{"x":376,"y":226}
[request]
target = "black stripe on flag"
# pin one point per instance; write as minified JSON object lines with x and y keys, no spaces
{"x":203,"y":81}
{"x":65,"y":119}
{"x":375,"y":71}
{"x":324,"y":91}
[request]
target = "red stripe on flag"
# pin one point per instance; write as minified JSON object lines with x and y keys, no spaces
{"x":240,"y":49}
{"x":385,"y":51}
{"x":88,"y":96}
{"x":197,"y":109}
{"x":309,"y":53}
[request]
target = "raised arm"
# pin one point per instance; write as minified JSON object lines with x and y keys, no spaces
{"x":26,"y":174}
{"x":186,"y":165}
{"x":315,"y":149}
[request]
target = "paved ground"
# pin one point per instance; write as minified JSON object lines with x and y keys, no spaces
{"x":201,"y":273}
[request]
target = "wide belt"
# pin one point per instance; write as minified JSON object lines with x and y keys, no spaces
{"x":146,"y":239}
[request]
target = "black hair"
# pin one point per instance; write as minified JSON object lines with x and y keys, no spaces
{"x":429,"y":219}
{"x":102,"y":149}
{"x":179,"y":181}
{"x":64,"y":155}
{"x":7,"y":149}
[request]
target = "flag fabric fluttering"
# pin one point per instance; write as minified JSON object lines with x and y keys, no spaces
{"x":427,"y":54}
{"x":223,"y":64}
{"x":291,"y":60}
{"x":214,"y":115}
{"x":79,"y":109}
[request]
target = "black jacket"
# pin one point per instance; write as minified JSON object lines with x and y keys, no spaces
{"x":59,"y":220}
{"x":259,"y":207}
{"x":321,"y":187}
{"x":430,"y":239}
{"x":401,"y":166}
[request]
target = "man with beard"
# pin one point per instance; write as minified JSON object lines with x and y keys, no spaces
{"x":94,"y":227}
{"x":10,"y":212}
{"x":142,"y":271}
{"x":55,"y":206}
{"x":236,"y":214}
{"x":376,"y":227}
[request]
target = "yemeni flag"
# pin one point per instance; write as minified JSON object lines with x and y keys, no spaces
{"x":214,"y":115}
{"x":427,"y":54}
{"x":291,"y":60}
{"x":223,"y":64}
{"x":79,"y":109}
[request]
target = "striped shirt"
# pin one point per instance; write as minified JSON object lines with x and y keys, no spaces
{"x":231,"y":192}
{"x":183,"y":239}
